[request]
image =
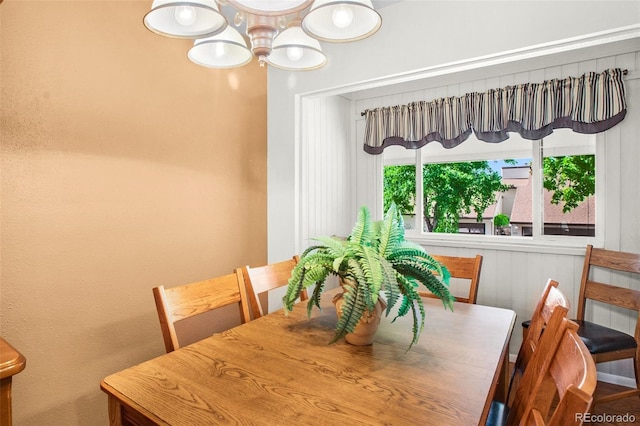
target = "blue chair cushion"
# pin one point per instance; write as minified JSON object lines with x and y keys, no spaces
{"x":599,"y":339}
{"x":498,"y":413}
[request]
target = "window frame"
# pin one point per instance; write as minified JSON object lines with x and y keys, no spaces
{"x":537,"y":242}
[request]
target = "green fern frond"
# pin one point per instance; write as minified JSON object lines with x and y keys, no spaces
{"x":314,"y":300}
{"x":421,"y":273}
{"x":355,"y":272}
{"x":418,"y":326}
{"x":404,"y":307}
{"x":403,"y":287}
{"x":411,"y":301}
{"x":353,"y":306}
{"x":383,"y":229}
{"x":365,"y":290}
{"x":362,"y":230}
{"x":390,"y":233}
{"x":309,"y":271}
{"x":409,"y":254}
{"x":372,"y":266}
{"x":392,"y":298}
{"x":311,"y":249}
{"x":438,"y":288}
{"x":389,"y":285}
{"x":332,"y":245}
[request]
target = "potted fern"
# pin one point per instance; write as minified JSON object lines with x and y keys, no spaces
{"x":374,"y":259}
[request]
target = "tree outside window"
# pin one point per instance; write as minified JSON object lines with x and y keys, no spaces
{"x":456,"y":194}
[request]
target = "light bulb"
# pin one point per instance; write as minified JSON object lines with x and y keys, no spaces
{"x":219,"y":49}
{"x":294,"y":53}
{"x":342,"y":16}
{"x":185,"y":15}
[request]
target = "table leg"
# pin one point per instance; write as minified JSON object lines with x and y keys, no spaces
{"x":115,"y":412}
{"x":5,"y":401}
{"x":502,"y":387}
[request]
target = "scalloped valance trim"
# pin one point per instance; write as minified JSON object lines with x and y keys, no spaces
{"x":591,"y":103}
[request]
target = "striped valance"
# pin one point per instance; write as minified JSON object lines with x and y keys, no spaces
{"x":591,"y":103}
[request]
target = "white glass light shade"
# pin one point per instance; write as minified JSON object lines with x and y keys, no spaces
{"x":270,"y":7}
{"x":341,"y":21}
{"x":225,"y":50}
{"x":185,"y":19}
{"x":294,"y":50}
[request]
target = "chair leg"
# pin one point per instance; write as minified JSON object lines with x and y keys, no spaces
{"x":624,"y":394}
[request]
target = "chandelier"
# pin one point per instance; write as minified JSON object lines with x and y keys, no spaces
{"x":282,"y":33}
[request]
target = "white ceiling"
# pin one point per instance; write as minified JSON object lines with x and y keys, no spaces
{"x":377,"y":4}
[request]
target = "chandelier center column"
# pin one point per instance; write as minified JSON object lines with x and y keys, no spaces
{"x":261,"y":31}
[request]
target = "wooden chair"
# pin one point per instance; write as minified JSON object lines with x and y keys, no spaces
{"x":571,"y":410}
{"x":500,"y":413}
{"x":262,"y":279}
{"x":562,"y":369}
{"x":467,"y":268}
{"x":186,"y":301}
{"x":551,"y":299}
{"x":604,"y":343}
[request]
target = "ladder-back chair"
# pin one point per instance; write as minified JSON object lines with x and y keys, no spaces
{"x":260,"y":280}
{"x":604,"y":343}
{"x":563,"y":362}
{"x":466,"y":268}
{"x":551,"y":299}
{"x":550,"y":311}
{"x":186,"y":301}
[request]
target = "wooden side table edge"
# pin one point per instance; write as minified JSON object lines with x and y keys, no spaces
{"x":12,"y":362}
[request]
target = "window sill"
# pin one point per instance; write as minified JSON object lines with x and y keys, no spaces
{"x":548,"y":245}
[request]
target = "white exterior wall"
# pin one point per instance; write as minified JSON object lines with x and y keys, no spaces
{"x":316,"y":116}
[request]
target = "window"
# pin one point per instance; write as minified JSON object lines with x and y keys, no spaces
{"x":520,"y":189}
{"x":568,"y":188}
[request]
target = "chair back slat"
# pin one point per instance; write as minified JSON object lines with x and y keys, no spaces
{"x":179,"y":303}
{"x":606,"y":293}
{"x":465,"y":268}
{"x":571,"y":410}
{"x":262,"y":279}
{"x":618,"y":260}
{"x":197,"y":298}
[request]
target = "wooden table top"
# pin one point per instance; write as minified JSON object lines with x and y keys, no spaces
{"x":280,"y":370}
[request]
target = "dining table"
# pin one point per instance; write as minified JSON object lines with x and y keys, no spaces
{"x":282,"y":370}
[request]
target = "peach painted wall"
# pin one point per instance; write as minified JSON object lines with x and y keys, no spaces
{"x":124,"y":166}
